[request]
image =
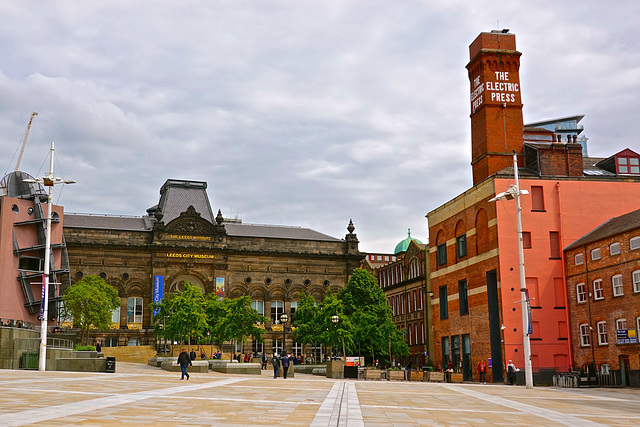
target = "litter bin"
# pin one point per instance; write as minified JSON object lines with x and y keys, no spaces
{"x":111,"y":364}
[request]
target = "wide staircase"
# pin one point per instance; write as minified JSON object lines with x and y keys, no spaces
{"x":134,"y":354}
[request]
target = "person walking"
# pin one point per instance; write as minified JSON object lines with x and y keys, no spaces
{"x":98,"y":347}
{"x":511,"y":373}
{"x":275,"y":362}
{"x":285,"y":365}
{"x":482,"y":370}
{"x":184,"y":361}
{"x":265,"y":359}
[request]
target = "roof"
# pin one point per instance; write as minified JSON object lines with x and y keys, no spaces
{"x":404,"y":244}
{"x":177,"y":195}
{"x":553,"y":121}
{"x":107,"y":222}
{"x":612,"y":227}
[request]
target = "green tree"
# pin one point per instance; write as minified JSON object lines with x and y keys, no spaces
{"x":234,"y":319}
{"x":306,"y":328}
{"x":181,"y":316}
{"x":90,"y":302}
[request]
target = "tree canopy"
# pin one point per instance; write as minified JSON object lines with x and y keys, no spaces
{"x":90,"y":302}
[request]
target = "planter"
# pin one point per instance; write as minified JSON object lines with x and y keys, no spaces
{"x":455,"y":377}
{"x":372,"y":374}
{"x":416,"y":375}
{"x":437,"y":377}
{"x":396,"y":375}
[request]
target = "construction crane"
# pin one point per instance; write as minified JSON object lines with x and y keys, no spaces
{"x":24,"y":140}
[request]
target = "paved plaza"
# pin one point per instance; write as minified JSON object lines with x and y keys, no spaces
{"x":142,"y":395}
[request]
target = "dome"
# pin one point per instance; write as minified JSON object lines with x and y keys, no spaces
{"x":14,"y":185}
{"x":403,"y":245}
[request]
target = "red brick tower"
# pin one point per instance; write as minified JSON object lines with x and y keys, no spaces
{"x":496,"y":105}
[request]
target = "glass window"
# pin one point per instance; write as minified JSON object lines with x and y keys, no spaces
{"x":463,"y":297}
{"x":276,"y":346}
{"x":579,"y":259}
{"x":442,"y":254}
{"x":614,"y":248}
{"x":134,"y":310}
{"x":636,"y":280}
{"x":461,"y":245}
{"x":595,"y":254}
{"x":444,"y":308}
{"x":634,"y":243}
{"x":277,"y":309}
{"x":256,"y":347}
{"x":616,"y":282}
{"x":602,"y":333}
{"x":584,"y":335}
{"x":581,"y":292}
{"x":258,"y":306}
{"x":621,"y":324}
{"x":292,"y":311}
{"x":297,"y":348}
{"x":597,"y":289}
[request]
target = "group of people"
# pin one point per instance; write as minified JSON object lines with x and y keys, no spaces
{"x":511,"y":372}
{"x":277,"y":361}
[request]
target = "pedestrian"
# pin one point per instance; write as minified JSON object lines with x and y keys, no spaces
{"x":184,"y":361}
{"x":192,"y":355}
{"x":511,"y":373}
{"x":98,"y":347}
{"x":482,"y":370}
{"x":285,"y":365}
{"x":275,"y":361}
{"x":265,"y":359}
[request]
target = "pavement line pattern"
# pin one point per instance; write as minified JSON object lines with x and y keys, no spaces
{"x":557,"y":417}
{"x":341,"y":407}
{"x":32,"y":416}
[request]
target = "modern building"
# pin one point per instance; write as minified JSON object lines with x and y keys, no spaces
{"x":603,"y":283}
{"x":474,"y":276}
{"x":566,"y":129}
{"x":178,"y":240}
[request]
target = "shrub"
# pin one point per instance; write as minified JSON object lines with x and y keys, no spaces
{"x":84,"y":348}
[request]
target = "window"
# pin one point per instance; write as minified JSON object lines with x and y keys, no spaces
{"x":292,"y":310}
{"x":622,"y":165}
{"x":628,"y":165}
{"x":258,"y":306}
{"x":415,"y":300}
{"x":616,"y":282}
{"x":634,"y":167}
{"x":409,"y":302}
{"x":636,"y":280}
{"x":256,"y":347}
{"x":277,"y":309}
{"x":134,"y":310}
{"x":461,"y":246}
{"x":297,"y":348}
{"x":115,"y":317}
{"x":442,"y":254}
{"x":276,"y":346}
{"x":537,"y":198}
{"x":444,"y":308}
{"x":526,"y":240}
{"x":579,"y":259}
{"x":595,"y":254}
{"x":584,"y":335}
{"x":602,"y":333}
{"x":581,"y":292}
{"x":463,"y":297}
{"x":634,"y":243}
{"x":554,"y":245}
{"x":621,"y":324}
{"x":597,"y":289}
{"x":614,"y":248}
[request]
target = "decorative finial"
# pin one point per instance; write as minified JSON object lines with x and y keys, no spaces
{"x":350,"y":227}
{"x":409,"y":232}
{"x":219,"y":217}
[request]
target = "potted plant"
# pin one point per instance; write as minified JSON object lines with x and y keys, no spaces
{"x":396,"y":374}
{"x":416,"y":375}
{"x":372,"y":374}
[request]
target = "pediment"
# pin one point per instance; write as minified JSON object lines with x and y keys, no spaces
{"x":190,"y":222}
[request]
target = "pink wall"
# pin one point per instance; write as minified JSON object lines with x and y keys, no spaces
{"x":572,"y":208}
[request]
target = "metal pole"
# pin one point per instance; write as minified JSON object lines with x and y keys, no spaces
{"x":42,"y":362}
{"x":284,"y":338}
{"x":523,"y":285}
{"x":335,"y":342}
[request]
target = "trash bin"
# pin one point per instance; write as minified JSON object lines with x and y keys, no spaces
{"x":111,"y":364}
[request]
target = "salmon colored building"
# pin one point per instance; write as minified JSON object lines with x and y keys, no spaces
{"x":474,"y":241}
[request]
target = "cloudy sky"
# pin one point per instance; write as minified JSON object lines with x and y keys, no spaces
{"x":304,"y":113}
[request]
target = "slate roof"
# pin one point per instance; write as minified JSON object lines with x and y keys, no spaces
{"x":612,"y":227}
{"x":276,"y":232}
{"x":107,"y":222}
{"x":177,"y":195}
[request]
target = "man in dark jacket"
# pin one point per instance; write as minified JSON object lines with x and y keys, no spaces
{"x":184,"y":361}
{"x":275,"y":361}
{"x":264,"y":360}
{"x":285,"y":365}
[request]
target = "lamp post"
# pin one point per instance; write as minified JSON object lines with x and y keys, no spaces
{"x":514,"y":192}
{"x":48,"y":180}
{"x":284,"y":319}
{"x":335,"y":319}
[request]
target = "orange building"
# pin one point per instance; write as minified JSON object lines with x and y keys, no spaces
{"x":474,"y":243}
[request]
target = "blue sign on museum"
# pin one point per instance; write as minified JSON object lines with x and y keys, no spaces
{"x":627,"y":336}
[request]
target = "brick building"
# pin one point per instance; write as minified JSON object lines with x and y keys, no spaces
{"x":474,"y":244}
{"x":603,"y":283}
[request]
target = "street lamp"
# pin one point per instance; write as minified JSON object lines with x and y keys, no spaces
{"x":283,"y":319}
{"x":48,"y":180}
{"x":335,"y":319}
{"x":514,"y":192}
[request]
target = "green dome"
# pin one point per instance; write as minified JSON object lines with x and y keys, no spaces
{"x":403,"y":245}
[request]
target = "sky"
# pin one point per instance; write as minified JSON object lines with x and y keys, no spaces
{"x":298,"y":113}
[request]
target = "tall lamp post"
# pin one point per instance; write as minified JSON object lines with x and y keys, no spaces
{"x":284,"y":319}
{"x":514,"y":192}
{"x":48,"y":180}
{"x":335,"y":319}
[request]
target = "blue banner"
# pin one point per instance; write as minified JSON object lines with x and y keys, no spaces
{"x":42,"y":301}
{"x":158,"y":286}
